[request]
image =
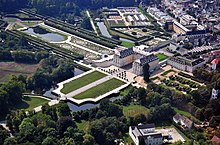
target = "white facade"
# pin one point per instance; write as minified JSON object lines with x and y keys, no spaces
{"x":150,"y":136}
{"x":185,"y":64}
{"x":214,"y":94}
{"x":137,"y":57}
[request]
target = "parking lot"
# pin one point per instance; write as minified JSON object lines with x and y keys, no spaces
{"x":173,"y":135}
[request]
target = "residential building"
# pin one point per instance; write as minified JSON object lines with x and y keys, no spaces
{"x":214,"y":63}
{"x":215,"y":140}
{"x":185,"y":64}
{"x":185,"y":122}
{"x":186,"y":19}
{"x":146,"y":132}
{"x":214,"y":94}
{"x":197,"y":37}
{"x":179,"y":28}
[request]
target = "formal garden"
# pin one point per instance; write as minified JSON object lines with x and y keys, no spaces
{"x":100,"y":89}
{"x":82,"y":81}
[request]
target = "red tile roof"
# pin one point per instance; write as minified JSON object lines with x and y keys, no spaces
{"x":215,"y":61}
{"x":215,"y":139}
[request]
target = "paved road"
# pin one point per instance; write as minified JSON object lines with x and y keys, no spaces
{"x":82,"y":89}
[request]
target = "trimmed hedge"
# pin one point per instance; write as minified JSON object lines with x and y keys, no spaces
{"x":48,"y":46}
{"x":190,"y":77}
{"x":91,"y":38}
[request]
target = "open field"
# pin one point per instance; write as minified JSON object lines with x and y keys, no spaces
{"x":7,"y":69}
{"x":127,"y":44}
{"x":161,"y":56}
{"x":133,"y":110}
{"x":83,"y":125}
{"x":82,"y":81}
{"x":29,"y":103}
{"x":100,"y":89}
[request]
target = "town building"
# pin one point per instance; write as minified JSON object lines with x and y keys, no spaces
{"x":214,"y":94}
{"x":146,"y":132}
{"x":137,"y":57}
{"x":185,"y":122}
{"x":215,"y":63}
{"x":215,"y":140}
{"x":197,"y":37}
{"x":185,"y":64}
{"x":186,"y":19}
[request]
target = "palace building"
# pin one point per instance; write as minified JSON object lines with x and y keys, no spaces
{"x":124,"y":56}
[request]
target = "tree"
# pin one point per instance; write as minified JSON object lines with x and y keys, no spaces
{"x":3,"y":134}
{"x":88,"y":139}
{"x":86,"y":23}
{"x":146,"y":72}
{"x":49,"y":141}
{"x":63,"y":123}
{"x":141,"y":94}
{"x":10,"y":141}
{"x":142,"y":141}
{"x":63,"y":110}
{"x":140,"y":118}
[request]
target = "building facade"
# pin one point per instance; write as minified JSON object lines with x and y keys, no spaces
{"x":185,"y":122}
{"x":135,"y":57}
{"x":185,"y":64}
{"x":146,"y":132}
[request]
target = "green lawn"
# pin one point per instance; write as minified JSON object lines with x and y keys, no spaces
{"x":100,"y":89}
{"x":29,"y":23}
{"x":187,"y":114}
{"x":83,"y":125}
{"x":29,"y":103}
{"x":133,"y":110}
{"x":169,"y":71}
{"x":127,"y":44}
{"x":82,"y":81}
{"x":21,"y":15}
{"x":161,"y":56}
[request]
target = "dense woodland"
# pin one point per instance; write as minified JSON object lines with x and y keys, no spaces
{"x":57,"y":125}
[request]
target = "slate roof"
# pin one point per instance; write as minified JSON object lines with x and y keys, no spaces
{"x":156,"y":135}
{"x":126,"y":52}
{"x":215,"y":139}
{"x":147,"y":59}
{"x":198,"y":32}
{"x":184,"y":119}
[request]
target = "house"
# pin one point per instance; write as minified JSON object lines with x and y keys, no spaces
{"x":214,"y":63}
{"x":214,"y":94}
{"x":215,"y":140}
{"x":146,"y":132}
{"x":185,"y":122}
